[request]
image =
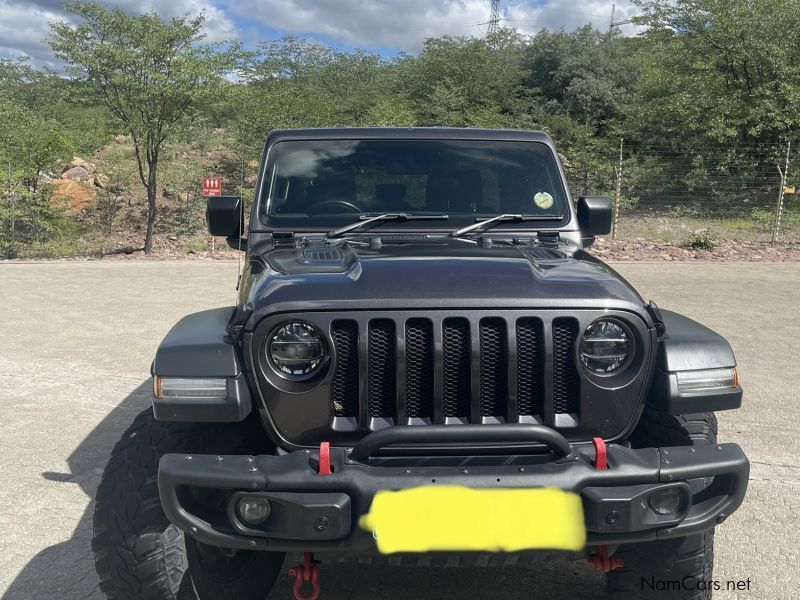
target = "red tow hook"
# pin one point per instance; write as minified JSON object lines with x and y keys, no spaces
{"x":600,"y":455}
{"x":308,"y":572}
{"x":305,"y":573}
{"x":325,"y":459}
{"x":602,"y":561}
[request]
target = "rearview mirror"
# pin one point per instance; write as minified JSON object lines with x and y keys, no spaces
{"x":594,"y":216}
{"x":224,"y":216}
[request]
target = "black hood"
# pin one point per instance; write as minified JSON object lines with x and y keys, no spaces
{"x":432,"y":273}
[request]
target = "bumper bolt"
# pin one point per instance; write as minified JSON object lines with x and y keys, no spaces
{"x":253,"y":484}
{"x":252,"y":542}
{"x":187,"y":457}
{"x":719,"y":447}
{"x":249,"y":459}
{"x":321,"y":524}
{"x":406,"y":471}
{"x":253,"y":469}
{"x":669,"y":477}
{"x":612,"y":517}
{"x":193,"y":530}
{"x":521,"y":469}
{"x":665,"y":461}
{"x":665,"y":452}
{"x":692,"y":450}
{"x":219,"y":459}
{"x":465,"y":471}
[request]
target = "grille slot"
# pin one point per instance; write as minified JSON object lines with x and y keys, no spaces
{"x":419,"y":369}
{"x":381,"y":360}
{"x":566,"y":383}
{"x":344,"y":386}
{"x":456,"y":359}
{"x":493,"y":367}
{"x":530,"y":366}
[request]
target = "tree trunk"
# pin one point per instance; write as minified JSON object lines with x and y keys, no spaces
{"x":152,"y":188}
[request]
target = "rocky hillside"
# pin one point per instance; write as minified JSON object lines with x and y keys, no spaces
{"x":103,"y":203}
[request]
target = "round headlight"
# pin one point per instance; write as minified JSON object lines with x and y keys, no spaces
{"x":605,"y":347}
{"x":296,"y":349}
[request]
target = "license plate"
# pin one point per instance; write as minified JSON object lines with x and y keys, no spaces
{"x":455,"y":518}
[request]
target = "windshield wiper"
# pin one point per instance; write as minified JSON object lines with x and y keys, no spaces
{"x":367,"y":221}
{"x":505,"y":218}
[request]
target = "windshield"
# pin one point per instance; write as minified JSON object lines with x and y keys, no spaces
{"x":324,"y":183}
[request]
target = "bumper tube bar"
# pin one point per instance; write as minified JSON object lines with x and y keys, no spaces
{"x":461,"y":434}
{"x":615,"y":500}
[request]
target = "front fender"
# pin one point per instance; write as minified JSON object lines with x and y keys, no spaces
{"x":690,"y":346}
{"x":198,"y":346}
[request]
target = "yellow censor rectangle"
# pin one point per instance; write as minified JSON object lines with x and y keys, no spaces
{"x":455,"y":518}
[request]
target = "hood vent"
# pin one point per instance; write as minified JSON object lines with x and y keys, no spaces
{"x":540,"y":253}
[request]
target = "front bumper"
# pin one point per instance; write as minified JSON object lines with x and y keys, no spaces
{"x":319,"y":513}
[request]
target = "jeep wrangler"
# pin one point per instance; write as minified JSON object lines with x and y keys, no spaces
{"x":424,"y":366}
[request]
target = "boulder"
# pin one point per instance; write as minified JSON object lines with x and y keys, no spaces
{"x":101,"y":181}
{"x":77,"y":161}
{"x":76,"y":174}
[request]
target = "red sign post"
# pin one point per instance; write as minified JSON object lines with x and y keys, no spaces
{"x":212,"y":186}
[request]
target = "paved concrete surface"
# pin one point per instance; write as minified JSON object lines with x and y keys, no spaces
{"x":76,"y":341}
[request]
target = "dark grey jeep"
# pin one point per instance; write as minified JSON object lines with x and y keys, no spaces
{"x":424,"y":366}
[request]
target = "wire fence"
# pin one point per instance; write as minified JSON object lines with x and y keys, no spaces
{"x":696,"y":196}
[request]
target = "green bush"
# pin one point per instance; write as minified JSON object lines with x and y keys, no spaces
{"x":702,"y":241}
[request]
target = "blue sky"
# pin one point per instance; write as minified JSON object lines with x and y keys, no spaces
{"x":384,"y":26}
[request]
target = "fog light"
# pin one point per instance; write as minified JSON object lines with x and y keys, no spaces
{"x":253,"y":510}
{"x":666,"y":502}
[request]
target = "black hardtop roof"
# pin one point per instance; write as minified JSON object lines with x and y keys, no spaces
{"x":409,"y":133}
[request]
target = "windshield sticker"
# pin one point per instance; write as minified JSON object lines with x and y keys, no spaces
{"x":543,"y":200}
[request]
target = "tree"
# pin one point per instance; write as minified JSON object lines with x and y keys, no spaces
{"x":719,"y":72}
{"x":469,"y":82}
{"x":29,"y":143}
{"x":584,"y":73}
{"x":292,"y":82}
{"x":149,"y":72}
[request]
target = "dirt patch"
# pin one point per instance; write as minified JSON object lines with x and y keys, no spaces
{"x":72,"y":196}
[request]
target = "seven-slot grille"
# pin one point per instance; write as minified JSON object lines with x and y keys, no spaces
{"x":485,"y":369}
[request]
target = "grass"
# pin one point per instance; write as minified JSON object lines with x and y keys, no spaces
{"x":684,"y":230}
{"x":197,"y":244}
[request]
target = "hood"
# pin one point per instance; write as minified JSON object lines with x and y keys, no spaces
{"x":431,"y":273}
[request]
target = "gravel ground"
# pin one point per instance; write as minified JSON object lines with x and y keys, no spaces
{"x":78,"y":338}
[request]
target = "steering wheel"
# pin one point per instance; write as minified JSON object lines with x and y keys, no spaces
{"x":332,"y":206}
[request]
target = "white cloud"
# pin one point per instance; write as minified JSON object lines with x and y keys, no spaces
{"x":23,"y":28}
{"x":24,"y":25}
{"x":370,"y":24}
{"x":404,"y":24}
{"x":392,"y":24}
{"x":555,"y":14}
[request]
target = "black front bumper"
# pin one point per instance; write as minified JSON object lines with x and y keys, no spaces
{"x":319,"y":513}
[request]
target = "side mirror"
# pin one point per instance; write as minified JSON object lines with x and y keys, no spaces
{"x":594,"y":216}
{"x":224,"y":216}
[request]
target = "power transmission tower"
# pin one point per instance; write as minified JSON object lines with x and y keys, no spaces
{"x":494,"y":19}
